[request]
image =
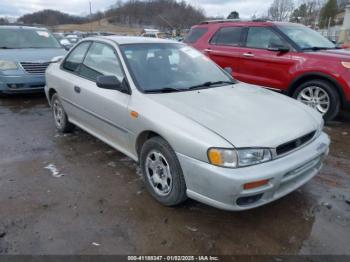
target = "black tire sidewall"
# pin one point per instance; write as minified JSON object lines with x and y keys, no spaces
{"x":178,"y":190}
{"x":332,"y":93}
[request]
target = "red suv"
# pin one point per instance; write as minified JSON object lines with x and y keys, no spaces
{"x":286,"y":57}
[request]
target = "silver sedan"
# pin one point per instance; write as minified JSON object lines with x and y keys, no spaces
{"x":194,"y":130}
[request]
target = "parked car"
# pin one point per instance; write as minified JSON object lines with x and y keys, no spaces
{"x":73,"y":39}
{"x":25,"y":53}
{"x":286,"y":57}
{"x":157,"y":35}
{"x":195,"y":131}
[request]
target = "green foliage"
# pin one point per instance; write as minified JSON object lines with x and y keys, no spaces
{"x":299,"y":14}
{"x":51,"y":17}
{"x":328,"y":13}
{"x":233,"y":15}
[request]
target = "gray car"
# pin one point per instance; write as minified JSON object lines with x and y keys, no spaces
{"x":25,"y":53}
{"x":195,"y":131}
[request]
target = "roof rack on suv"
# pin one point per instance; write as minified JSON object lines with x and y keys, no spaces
{"x":220,"y":21}
{"x":234,"y":20}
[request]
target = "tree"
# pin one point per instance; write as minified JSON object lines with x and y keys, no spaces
{"x":328,"y":13}
{"x":308,"y":12}
{"x":3,"y":21}
{"x":280,"y":10}
{"x":342,"y":4}
{"x":299,"y":15}
{"x":233,"y":15}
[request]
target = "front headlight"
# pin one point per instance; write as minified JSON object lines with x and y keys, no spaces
{"x":346,"y":64}
{"x":8,"y":65}
{"x":241,"y":157}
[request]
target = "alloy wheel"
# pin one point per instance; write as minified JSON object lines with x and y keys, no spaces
{"x":58,"y":113}
{"x":316,"y":98}
{"x":159,"y":173}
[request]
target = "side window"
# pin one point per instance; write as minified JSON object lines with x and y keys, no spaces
{"x":194,"y":35}
{"x":76,"y":57}
{"x":227,"y":36}
{"x":263,"y":38}
{"x":101,"y":60}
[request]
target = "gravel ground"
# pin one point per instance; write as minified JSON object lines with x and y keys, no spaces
{"x":72,"y":194}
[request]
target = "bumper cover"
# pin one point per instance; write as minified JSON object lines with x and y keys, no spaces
{"x":22,"y":84}
{"x":223,"y":187}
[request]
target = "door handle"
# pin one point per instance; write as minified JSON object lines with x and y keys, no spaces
{"x":77,"y":89}
{"x":248,"y":55}
{"x":208,"y":50}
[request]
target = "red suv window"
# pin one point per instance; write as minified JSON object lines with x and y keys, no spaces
{"x":228,"y":36}
{"x":262,"y":38}
{"x":195,"y":34}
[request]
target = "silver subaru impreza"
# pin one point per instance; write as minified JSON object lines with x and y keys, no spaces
{"x":195,"y":131}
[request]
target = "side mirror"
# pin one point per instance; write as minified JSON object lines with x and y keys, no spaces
{"x":111,"y":82}
{"x":278,"y":48}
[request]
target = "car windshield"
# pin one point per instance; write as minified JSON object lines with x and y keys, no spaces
{"x":306,"y":38}
{"x":11,"y":38}
{"x":171,"y":67}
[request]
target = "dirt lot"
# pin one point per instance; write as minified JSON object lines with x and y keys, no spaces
{"x":100,"y":205}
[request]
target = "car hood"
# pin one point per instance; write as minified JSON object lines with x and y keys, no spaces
{"x":332,"y":53}
{"x":244,"y":115}
{"x":31,"y":54}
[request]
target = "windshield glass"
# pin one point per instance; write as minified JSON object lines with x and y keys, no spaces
{"x":305,"y":37}
{"x":171,"y":67}
{"x":27,"y":38}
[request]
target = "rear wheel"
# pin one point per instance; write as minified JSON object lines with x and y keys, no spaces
{"x":162,"y":172}
{"x":60,"y":116}
{"x":321,"y":96}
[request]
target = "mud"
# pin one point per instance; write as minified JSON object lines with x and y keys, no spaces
{"x":72,"y":194}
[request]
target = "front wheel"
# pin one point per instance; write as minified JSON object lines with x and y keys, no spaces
{"x":162,"y":172}
{"x":60,"y":116}
{"x":321,"y":96}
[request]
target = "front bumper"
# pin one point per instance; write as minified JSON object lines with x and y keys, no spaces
{"x":21,"y":83}
{"x":223,"y":187}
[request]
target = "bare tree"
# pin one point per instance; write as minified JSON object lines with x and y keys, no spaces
{"x":308,"y":12}
{"x":280,"y":10}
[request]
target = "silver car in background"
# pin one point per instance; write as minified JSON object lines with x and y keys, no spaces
{"x":195,"y":131}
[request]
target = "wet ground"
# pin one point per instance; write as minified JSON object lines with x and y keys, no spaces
{"x":72,"y":194}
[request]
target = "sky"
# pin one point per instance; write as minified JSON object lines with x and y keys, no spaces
{"x":15,"y":8}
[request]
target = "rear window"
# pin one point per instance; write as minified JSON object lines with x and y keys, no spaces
{"x":228,"y":36}
{"x":195,"y":34}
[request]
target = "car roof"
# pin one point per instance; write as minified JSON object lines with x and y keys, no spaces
{"x":120,"y":40}
{"x":22,"y":27}
{"x":227,"y":22}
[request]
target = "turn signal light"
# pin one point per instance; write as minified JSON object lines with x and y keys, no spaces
{"x":256,"y":184}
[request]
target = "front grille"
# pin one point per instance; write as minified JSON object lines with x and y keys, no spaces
{"x":35,"y":68}
{"x":294,"y":144}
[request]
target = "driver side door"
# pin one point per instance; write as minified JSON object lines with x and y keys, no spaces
{"x":261,"y":66}
{"x":103,"y":111}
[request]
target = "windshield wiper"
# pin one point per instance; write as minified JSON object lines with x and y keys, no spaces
{"x":209,"y":84}
{"x":317,"y":48}
{"x":163,"y":90}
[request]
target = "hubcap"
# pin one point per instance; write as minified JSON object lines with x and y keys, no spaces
{"x":315,"y":97}
{"x":58,"y":113}
{"x":158,"y":173}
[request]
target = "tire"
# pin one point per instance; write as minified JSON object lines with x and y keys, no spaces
{"x":60,"y":117}
{"x":326,"y":91}
{"x":158,"y":162}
